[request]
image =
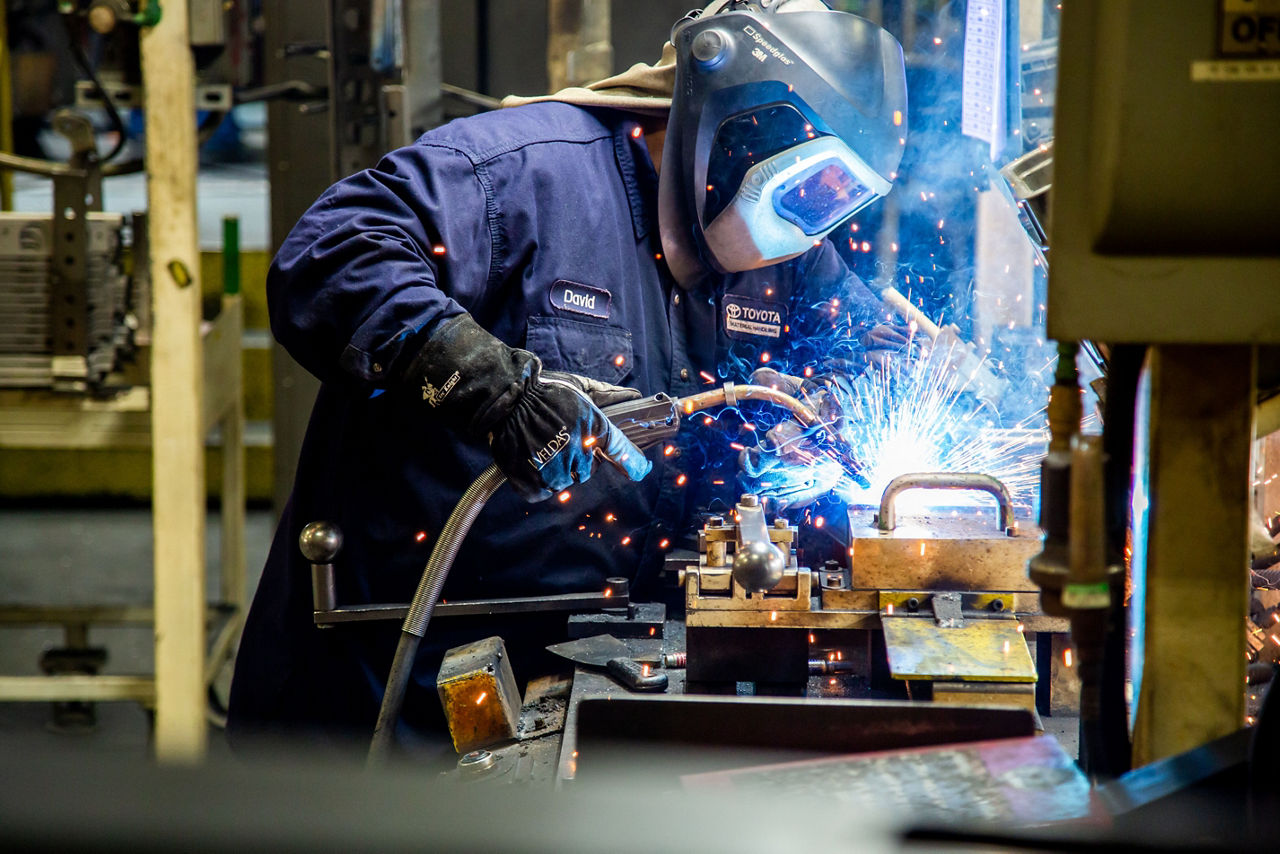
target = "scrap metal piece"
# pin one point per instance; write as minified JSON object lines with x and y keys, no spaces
{"x":479,"y":695}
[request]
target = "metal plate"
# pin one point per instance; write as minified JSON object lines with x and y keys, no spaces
{"x":982,"y":650}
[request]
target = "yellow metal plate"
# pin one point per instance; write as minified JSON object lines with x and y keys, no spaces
{"x":982,"y":650}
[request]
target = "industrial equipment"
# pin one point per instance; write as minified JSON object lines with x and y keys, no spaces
{"x":948,"y":591}
{"x":70,"y":313}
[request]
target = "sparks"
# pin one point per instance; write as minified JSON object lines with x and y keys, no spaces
{"x":664,"y":544}
{"x":480,"y":699}
{"x":912,"y":416}
{"x":420,"y":536}
{"x":563,"y":497}
{"x":1066,"y":657}
{"x":619,"y":360}
{"x":626,"y":541}
{"x":681,"y":480}
{"x":438,"y":249}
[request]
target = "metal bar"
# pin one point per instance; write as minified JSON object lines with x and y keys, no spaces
{"x":476,"y":607}
{"x":33,"y":615}
{"x":945,"y":480}
{"x":68,"y":688}
{"x":94,"y":615}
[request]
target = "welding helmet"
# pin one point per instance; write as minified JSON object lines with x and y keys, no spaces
{"x":783,"y":124}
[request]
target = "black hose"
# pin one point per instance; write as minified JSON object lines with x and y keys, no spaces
{"x":424,"y":602}
{"x":1106,"y":749}
{"x":86,"y":67}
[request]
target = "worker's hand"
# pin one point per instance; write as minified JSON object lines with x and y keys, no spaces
{"x":792,"y":464}
{"x":545,"y":430}
{"x":886,"y":336}
{"x":782,"y":470}
{"x":555,"y":435}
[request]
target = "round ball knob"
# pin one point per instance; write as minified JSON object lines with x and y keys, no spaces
{"x":707,"y":45}
{"x":320,"y":542}
{"x":758,"y":566}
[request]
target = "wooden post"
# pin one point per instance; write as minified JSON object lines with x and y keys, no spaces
{"x":178,"y":487}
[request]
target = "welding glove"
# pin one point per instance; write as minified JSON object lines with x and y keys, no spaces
{"x":545,"y":428}
{"x":789,"y":465}
{"x":883,"y":343}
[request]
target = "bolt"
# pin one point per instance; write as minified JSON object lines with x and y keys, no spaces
{"x":749,"y":500}
{"x":781,"y":524}
{"x":476,"y":762}
{"x":715,"y":522}
{"x":996,"y":605}
{"x":913,"y":604}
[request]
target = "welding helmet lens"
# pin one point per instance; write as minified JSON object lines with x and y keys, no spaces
{"x":821,"y":197}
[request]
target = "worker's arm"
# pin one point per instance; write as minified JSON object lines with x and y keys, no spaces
{"x":371,"y":290}
{"x":377,"y":262}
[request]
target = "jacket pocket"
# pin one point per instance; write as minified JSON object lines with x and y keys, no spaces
{"x":591,"y":349}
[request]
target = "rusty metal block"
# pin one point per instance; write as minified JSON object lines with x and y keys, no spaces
{"x":941,"y":552}
{"x":479,"y":694}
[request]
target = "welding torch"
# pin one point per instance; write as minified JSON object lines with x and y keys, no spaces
{"x":646,"y":422}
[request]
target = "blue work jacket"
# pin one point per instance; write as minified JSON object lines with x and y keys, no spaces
{"x":541,"y":222}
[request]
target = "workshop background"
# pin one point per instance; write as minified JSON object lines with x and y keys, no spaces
{"x":145,"y":448}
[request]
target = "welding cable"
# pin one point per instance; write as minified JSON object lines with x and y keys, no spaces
{"x":424,"y":602}
{"x":86,"y":68}
{"x":455,"y":530}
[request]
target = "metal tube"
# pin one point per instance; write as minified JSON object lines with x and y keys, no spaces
{"x":424,"y":601}
{"x":716,"y":397}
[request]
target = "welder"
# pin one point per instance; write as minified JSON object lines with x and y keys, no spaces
{"x":479,"y":295}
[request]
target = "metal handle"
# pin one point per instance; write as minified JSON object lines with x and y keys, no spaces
{"x":887,"y":519}
{"x":758,"y":565}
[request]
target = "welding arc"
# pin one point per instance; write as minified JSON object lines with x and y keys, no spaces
{"x":459,"y":523}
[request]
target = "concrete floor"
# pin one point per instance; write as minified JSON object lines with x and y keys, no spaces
{"x":80,"y":556}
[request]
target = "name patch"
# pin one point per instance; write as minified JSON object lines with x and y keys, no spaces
{"x":581,"y":299}
{"x":746,"y":318}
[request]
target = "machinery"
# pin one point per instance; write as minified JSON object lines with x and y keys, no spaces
{"x":69,"y":311}
{"x":948,"y":591}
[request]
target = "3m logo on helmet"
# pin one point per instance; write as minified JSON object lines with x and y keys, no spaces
{"x":767,"y":46}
